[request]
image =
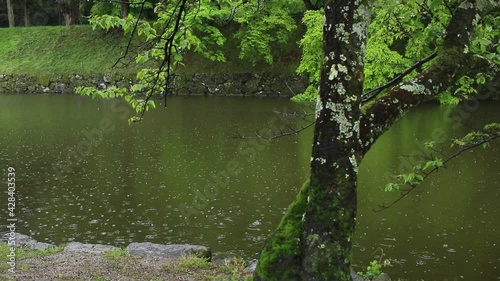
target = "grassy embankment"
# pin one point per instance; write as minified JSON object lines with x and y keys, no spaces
{"x":60,"y":50}
{"x":53,"y":51}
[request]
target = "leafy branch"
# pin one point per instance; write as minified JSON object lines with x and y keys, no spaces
{"x":375,"y":267}
{"x":420,"y":172}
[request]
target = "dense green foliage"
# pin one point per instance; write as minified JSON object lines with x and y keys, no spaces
{"x":52,"y":51}
{"x":312,"y":52}
{"x":400,"y":35}
{"x":196,"y":27}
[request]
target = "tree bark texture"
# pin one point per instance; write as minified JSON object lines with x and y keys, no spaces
{"x":71,"y":11}
{"x":124,"y":10}
{"x":26,"y":14}
{"x":10,"y":14}
{"x":330,"y":217}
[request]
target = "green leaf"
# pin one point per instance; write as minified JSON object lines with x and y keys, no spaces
{"x":433,"y":164}
{"x":134,"y":119}
{"x":481,"y":79}
{"x":151,"y":104}
{"x":391,"y":186}
{"x":419,"y":177}
{"x":459,"y":142}
{"x":407,"y":178}
{"x":429,"y":144}
{"x":492,"y":127}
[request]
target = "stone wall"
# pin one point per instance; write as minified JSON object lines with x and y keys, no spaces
{"x":245,"y":84}
{"x":220,"y":84}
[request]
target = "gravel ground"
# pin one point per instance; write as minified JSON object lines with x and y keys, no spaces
{"x":139,"y":261}
{"x":84,"y":266}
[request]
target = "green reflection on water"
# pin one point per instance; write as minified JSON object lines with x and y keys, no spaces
{"x":137,"y":183}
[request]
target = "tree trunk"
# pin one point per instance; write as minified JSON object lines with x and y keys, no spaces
{"x":70,"y":10}
{"x":124,"y":10}
{"x":26,"y":14}
{"x":309,"y":5}
{"x":68,"y":18}
{"x":330,"y":216}
{"x":314,"y":239}
{"x":10,"y":13}
{"x":281,"y":256}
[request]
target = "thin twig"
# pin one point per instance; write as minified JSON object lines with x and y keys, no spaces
{"x":291,"y":91}
{"x":279,"y":135}
{"x":168,"y":47}
{"x":136,"y":24}
{"x":453,"y":156}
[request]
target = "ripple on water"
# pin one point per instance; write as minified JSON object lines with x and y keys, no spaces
{"x":125,"y":173}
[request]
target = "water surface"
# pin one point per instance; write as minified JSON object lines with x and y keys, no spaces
{"x":180,"y":176}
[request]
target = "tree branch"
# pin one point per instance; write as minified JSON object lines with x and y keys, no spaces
{"x":451,"y":157}
{"x":177,"y":16}
{"x":129,"y":43}
{"x":289,"y":127}
{"x":374,"y":92}
{"x":451,"y":63}
{"x":276,"y":135}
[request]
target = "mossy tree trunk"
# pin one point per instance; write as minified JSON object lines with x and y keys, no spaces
{"x":314,"y":239}
{"x":330,"y":216}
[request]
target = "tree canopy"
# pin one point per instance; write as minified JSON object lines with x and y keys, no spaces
{"x":403,"y":39}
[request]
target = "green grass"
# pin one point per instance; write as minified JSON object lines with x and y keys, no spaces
{"x":187,"y":264}
{"x":22,"y":254}
{"x":117,"y":258}
{"x":26,"y":253}
{"x":233,"y":266}
{"x":58,"y":50}
{"x":98,"y":277}
{"x":116,"y":255}
{"x":50,"y":51}
{"x":203,"y":269}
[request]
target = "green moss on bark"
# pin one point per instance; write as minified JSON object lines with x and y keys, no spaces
{"x":331,"y":217}
{"x":280,"y":258}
